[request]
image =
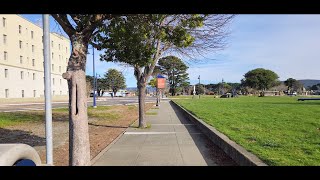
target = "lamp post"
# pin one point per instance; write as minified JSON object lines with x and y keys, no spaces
{"x":199,"y":86}
{"x":97,"y":75}
{"x":222,"y":87}
{"x":47,"y":83}
{"x":94,"y":79}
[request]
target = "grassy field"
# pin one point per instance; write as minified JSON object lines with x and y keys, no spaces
{"x":106,"y":113}
{"x":279,"y":130}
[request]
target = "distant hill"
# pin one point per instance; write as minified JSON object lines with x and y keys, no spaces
{"x":309,"y":82}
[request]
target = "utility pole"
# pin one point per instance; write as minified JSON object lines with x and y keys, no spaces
{"x":47,"y":88}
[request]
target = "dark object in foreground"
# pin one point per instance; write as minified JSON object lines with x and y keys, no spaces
{"x":305,"y":99}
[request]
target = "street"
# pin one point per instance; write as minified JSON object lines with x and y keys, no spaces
{"x":101,"y":101}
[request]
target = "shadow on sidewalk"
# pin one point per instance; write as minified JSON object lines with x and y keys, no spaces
{"x":209,"y":151}
{"x":91,"y":124}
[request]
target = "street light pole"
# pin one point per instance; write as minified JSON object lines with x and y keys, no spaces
{"x":94,"y":80}
{"x":47,"y":89}
{"x":199,"y":86}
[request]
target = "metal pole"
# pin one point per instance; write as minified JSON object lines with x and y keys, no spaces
{"x":94,"y":80}
{"x":199,"y":87}
{"x":97,"y":84}
{"x":47,"y":88}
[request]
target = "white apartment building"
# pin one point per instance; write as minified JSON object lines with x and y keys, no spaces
{"x":21,"y":59}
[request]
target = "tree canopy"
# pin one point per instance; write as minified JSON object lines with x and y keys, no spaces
{"x":114,"y":80}
{"x":261,"y":79}
{"x":176,"y":71}
{"x":141,"y":39}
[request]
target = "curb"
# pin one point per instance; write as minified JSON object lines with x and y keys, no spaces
{"x":240,"y":155}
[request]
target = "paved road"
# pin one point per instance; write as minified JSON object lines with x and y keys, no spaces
{"x":172,"y":140}
{"x":12,"y":107}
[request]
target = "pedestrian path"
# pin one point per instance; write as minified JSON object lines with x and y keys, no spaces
{"x":171,"y":140}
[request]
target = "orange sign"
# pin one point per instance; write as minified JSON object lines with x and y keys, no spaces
{"x":161,"y":83}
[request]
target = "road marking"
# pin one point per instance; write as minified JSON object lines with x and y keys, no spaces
{"x":139,"y":133}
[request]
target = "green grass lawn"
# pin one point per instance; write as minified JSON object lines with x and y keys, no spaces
{"x":279,"y":130}
{"x":108,"y":113}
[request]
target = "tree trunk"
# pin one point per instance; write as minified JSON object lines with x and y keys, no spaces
{"x":142,"y":95}
{"x":79,"y":145}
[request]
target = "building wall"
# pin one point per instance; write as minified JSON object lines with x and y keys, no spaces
{"x":24,"y":53}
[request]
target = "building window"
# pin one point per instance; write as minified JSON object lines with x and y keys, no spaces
{"x":52,"y":56}
{"x":60,"y":81}
{"x":53,"y":81}
{"x":34,"y":76}
{"x":20,"y":29}
{"x":32,"y":47}
{"x":27,"y":45}
{"x":59,"y":46}
{"x":52,"y":44}
{"x":6,"y":75}
{"x":52,"y":67}
{"x":60,"y":93}
{"x":21,"y":60}
{"x":20,"y":44}
{"x":59,"y":57}
{"x":5,"y":55}
{"x":21,"y":74}
{"x":7,"y":92}
{"x":34,"y":93}
{"x":53,"y":93}
{"x":31,"y":34}
{"x":22,"y":93}
{"x":59,"y":68}
{"x":66,"y":49}
{"x":4,"y":22}
{"x":66,"y":60}
{"x":33,"y":62}
{"x":4,"y":39}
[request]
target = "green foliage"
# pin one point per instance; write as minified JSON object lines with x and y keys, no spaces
{"x":114,"y":80}
{"x":153,"y":82}
{"x":89,"y":79}
{"x":293,"y":84}
{"x":261,"y":79}
{"x":279,"y":130}
{"x":176,"y":71}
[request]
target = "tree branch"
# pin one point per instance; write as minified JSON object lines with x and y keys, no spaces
{"x":64,"y":23}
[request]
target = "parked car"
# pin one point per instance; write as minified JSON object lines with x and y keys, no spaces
{"x":292,"y":94}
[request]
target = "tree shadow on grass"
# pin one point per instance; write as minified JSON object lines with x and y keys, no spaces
{"x":19,"y":136}
{"x":297,"y":103}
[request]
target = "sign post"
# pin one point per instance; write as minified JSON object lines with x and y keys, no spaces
{"x":161,"y":85}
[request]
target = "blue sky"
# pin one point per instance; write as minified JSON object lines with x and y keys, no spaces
{"x":286,"y":44}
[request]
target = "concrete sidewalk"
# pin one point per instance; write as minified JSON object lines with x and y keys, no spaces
{"x":172,"y":140}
